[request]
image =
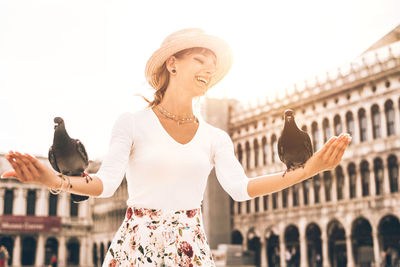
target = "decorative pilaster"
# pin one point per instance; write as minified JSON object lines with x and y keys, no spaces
{"x":19,"y":207}
{"x":386,"y":182}
{"x":39,"y":259}
{"x":16,"y":261}
{"x":303,"y":248}
{"x":264,"y":260}
{"x":349,"y":249}
{"x":325,"y":257}
{"x":62,"y":251}
{"x":377,"y":255}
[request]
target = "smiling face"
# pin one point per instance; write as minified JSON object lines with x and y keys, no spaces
{"x":194,"y":70}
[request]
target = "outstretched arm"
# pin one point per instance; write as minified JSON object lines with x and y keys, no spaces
{"x":327,"y":158}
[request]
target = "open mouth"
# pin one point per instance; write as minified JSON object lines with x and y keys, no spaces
{"x":202,"y":80}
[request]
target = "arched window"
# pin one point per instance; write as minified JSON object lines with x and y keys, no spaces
{"x":275,"y":156}
{"x":389,"y":114}
{"x":295,"y":191}
{"x":275,"y":200}
{"x":8,"y":201}
{"x":378,"y":172}
{"x":353,"y":178}
{"x":364,"y":178}
{"x":393,"y":174}
{"x":362,"y":119}
{"x":326,"y":129}
{"x":317,"y":186}
{"x":285,"y":193}
{"x":265,"y":201}
{"x":337,"y":125}
{"x":264,"y":149}
{"x":256,"y":204}
{"x":73,"y":208}
{"x":328,"y":185}
{"x":248,"y":206}
{"x":53,"y":199}
{"x":256,"y":150}
{"x":31,"y":202}
{"x":376,"y":122}
{"x":339,"y":182}
{"x":247,"y":147}
{"x":350,"y":124}
{"x":315,"y":136}
{"x":306,"y":190}
{"x":240,"y":153}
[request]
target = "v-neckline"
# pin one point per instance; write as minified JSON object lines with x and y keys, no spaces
{"x":169,"y":136}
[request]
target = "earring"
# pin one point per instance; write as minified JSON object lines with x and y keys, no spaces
{"x":173,"y":71}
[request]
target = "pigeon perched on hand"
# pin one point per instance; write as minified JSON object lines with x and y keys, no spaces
{"x":68,"y":156}
{"x":294,"y":145}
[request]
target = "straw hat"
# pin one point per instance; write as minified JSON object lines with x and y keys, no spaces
{"x":188,"y":38}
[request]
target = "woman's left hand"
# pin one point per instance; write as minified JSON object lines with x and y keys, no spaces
{"x":329,"y":156}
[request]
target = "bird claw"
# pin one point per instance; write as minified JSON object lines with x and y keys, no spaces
{"x":84,"y":174}
{"x":283,"y":175}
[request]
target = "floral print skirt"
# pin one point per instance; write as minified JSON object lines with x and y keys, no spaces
{"x":160,"y":238}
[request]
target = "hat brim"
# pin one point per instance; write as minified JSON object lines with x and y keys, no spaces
{"x":221,"y":49}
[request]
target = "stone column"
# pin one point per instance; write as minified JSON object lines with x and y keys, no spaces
{"x":369,"y":123}
{"x":349,"y":249}
{"x":62,"y":250}
{"x":260,"y":152}
{"x":2,"y":192}
{"x":357,"y":137}
{"x":16,"y":261}
{"x":244,"y":157}
{"x":264,"y":260}
{"x":303,"y":247}
{"x":325,"y":257}
{"x":301,"y":194}
{"x":63,"y":205}
{"x":312,"y":192}
{"x":282,"y":249}
{"x":383,"y":122}
{"x":386,"y":182}
{"x":346,"y":186}
{"x":252,"y":155}
{"x":19,"y":207}
{"x":39,"y":259}
{"x":320,"y":134}
{"x":396,"y":117}
{"x":322,"y":189}
{"x":290,"y":197}
{"x":42,"y":204}
{"x":372,"y":184}
{"x":377,"y":255}
{"x":334,"y":195}
{"x":83,"y":251}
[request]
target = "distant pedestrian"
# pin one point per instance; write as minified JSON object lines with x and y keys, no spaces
{"x":53,"y":260}
{"x":388,"y":258}
{"x":3,"y":256}
{"x":288,"y":258}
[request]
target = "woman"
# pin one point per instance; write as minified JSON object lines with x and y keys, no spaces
{"x":168,"y":153}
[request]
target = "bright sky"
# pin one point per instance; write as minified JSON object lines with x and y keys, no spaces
{"x":84,"y":60}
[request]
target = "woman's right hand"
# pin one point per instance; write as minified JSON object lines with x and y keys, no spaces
{"x":28,"y":169}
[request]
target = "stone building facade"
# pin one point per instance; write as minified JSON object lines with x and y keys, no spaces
{"x":347,"y":216}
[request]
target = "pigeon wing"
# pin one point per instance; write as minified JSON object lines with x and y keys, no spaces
{"x":308,"y":145}
{"x":52,"y":159}
{"x":280,"y":150}
{"x":82,"y":151}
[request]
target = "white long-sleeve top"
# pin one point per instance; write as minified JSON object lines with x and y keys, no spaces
{"x":162,"y":173}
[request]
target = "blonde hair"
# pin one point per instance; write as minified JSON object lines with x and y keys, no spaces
{"x":162,"y":75}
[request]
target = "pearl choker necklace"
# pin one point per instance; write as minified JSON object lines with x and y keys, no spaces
{"x":174,"y":117}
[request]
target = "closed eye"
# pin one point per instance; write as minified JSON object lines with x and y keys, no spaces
{"x":199,"y":60}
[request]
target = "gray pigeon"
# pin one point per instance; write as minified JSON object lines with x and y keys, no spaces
{"x":294,"y":145}
{"x":68,"y":156}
